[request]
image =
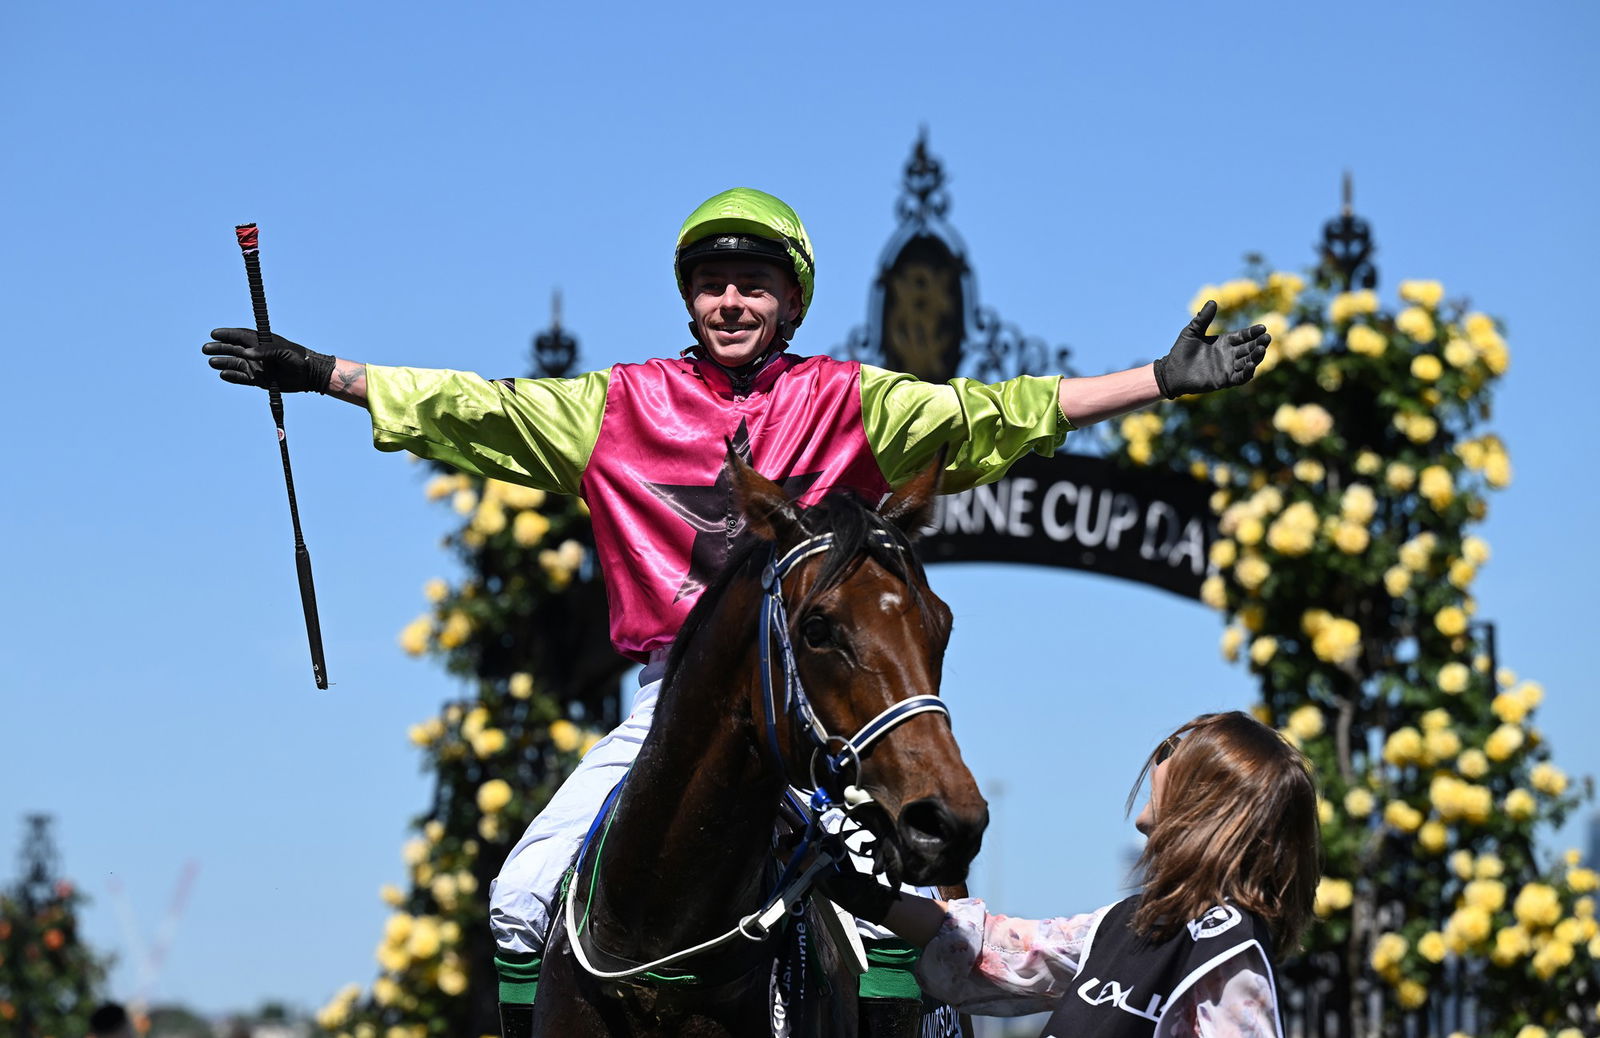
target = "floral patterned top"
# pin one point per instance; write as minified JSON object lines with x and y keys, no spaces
{"x":995,"y":965}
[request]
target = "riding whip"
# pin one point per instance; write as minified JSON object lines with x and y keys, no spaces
{"x":302,"y":558}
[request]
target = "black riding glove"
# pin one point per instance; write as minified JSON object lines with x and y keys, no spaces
{"x":1200,"y":363}
{"x":858,"y":893}
{"x":238,"y":358}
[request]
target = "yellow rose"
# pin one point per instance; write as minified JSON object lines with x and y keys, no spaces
{"x":1308,"y":470}
{"x":1403,"y":746}
{"x":1503,"y":742}
{"x":1231,"y":638}
{"x":1417,"y":323}
{"x":520,"y":686}
{"x":424,"y":940}
{"x":1368,"y":463}
{"x":1398,"y":814}
{"x":1437,"y":486}
{"x":1358,"y":503}
{"x":1475,"y":550}
{"x":1346,"y":305}
{"x":1253,"y":616}
{"x":1453,"y":678}
{"x":1459,"y":354}
{"x":1467,"y":926}
{"x":444,"y":890}
{"x":1431,"y":946}
{"x":490,"y":519}
{"x":1400,"y":476}
{"x":1333,"y":895}
{"x":1435,"y":720}
{"x":1351,"y":538}
{"x":393,"y":957}
{"x":529,"y":528}
{"x":1450,"y":621}
{"x":1433,"y":837}
{"x":1306,"y":721}
{"x":457,"y":629}
{"x":1358,"y":803}
{"x":564,"y":735}
{"x":1520,"y":805}
{"x":1488,"y":866}
{"x":488,"y":742}
{"x":1582,"y":881}
{"x":1426,"y":367}
{"x":415,"y":635}
{"x":1388,"y":951}
{"x":1497,"y":470}
{"x":1532,"y":694}
{"x":452,"y":980}
{"x":1410,"y":993}
{"x":1300,"y":340}
{"x":1551,"y":959}
{"x":1366,"y":341}
{"x":1396,"y":581}
{"x":1442,"y":744}
{"x":464,"y":501}
{"x":1461,"y":864}
{"x":414,"y":851}
{"x":1324,"y":812}
{"x":1249,"y":531}
{"x":1423,"y":293}
{"x":1461,"y":573}
{"x":1263,"y":649}
{"x":1213,"y":592}
{"x":1139,"y":452}
{"x":1339,"y":641}
{"x":1537,"y":906}
{"x":1252,"y":571}
{"x":493,"y":796}
{"x":1223,"y":553}
{"x":1511,"y":944}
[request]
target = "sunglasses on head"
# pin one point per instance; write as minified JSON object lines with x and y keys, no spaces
{"x":1167,"y":748}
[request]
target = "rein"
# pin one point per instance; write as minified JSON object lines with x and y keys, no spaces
{"x":794,"y":883}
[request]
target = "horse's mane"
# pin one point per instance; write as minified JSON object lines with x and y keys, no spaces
{"x":855,"y":528}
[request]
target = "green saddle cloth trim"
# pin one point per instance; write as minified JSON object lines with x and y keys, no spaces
{"x":890,"y":966}
{"x":519,"y":977}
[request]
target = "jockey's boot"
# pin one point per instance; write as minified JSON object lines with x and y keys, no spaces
{"x":889,"y":1017}
{"x":516,"y":1021}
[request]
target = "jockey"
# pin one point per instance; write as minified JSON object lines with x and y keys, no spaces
{"x":643,"y":445}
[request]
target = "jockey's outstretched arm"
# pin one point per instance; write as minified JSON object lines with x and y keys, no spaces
{"x":1197,"y":363}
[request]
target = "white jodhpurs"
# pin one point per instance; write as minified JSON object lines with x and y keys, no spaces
{"x":522,"y":897}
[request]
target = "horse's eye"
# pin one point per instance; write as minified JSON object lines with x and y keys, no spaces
{"x":817,"y":632}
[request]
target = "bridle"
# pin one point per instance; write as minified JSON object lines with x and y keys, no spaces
{"x":796,"y":705}
{"x":795,"y":882}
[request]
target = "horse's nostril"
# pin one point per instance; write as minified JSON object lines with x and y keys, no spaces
{"x":927,"y":822}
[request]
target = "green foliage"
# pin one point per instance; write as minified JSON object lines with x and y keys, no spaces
{"x":1346,"y":478}
{"x":49,"y":979}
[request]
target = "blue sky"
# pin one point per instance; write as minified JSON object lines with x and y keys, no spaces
{"x":425,"y":177}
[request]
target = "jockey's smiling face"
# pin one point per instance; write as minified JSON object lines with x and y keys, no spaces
{"x":737,"y":305}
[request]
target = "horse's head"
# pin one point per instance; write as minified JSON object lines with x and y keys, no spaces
{"x":867,"y":632}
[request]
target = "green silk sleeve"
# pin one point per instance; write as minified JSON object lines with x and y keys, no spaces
{"x":985,"y":428}
{"x":538,"y":432}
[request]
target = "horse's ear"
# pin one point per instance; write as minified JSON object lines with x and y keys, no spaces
{"x":911,"y":507}
{"x":768,"y":512}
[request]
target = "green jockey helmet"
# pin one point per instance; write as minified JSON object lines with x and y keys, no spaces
{"x":745,"y":222}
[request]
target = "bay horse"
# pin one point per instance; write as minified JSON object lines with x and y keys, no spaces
{"x":682,"y":857}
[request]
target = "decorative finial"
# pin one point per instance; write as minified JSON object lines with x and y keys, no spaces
{"x":554,"y":351}
{"x":924,"y":196}
{"x":1347,"y":247}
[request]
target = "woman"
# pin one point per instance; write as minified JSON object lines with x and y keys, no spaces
{"x":1230,"y":871}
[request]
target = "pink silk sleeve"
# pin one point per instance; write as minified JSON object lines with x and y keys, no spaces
{"x":995,"y":965}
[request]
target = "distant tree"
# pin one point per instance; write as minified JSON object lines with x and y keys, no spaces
{"x":50,"y":979}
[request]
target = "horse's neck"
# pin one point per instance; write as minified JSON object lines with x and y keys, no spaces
{"x":684,"y":856}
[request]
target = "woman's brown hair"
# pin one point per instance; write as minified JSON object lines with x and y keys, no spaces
{"x":1237,"y":822}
